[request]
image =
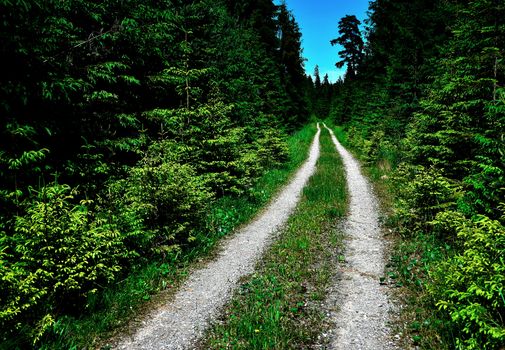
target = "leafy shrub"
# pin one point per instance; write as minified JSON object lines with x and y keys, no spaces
{"x":161,"y":202}
{"x":228,"y":163}
{"x":215,"y":147}
{"x":230,"y":166}
{"x":356,"y":139}
{"x":381,"y":150}
{"x":423,"y":192}
{"x":59,"y":253}
{"x":486,"y":186}
{"x":470,"y":285}
{"x":373,"y":145}
{"x":272,"y":148}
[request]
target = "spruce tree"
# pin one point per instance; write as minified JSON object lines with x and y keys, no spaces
{"x":352,"y":42}
{"x":317,"y":78}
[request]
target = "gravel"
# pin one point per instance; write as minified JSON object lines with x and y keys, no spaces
{"x":179,"y":323}
{"x":359,"y":305}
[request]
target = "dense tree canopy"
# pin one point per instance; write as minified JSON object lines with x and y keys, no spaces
{"x":427,"y":100}
{"x":120,"y":121}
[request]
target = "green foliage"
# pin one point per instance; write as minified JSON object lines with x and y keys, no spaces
{"x":272,"y":149}
{"x":116,"y":304}
{"x":487,"y":180}
{"x":469,"y":286}
{"x":161,"y":202}
{"x":429,"y":95}
{"x":423,"y":194}
{"x":58,"y":254}
{"x":153,"y":111}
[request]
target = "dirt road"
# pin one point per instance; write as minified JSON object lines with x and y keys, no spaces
{"x":362,"y":302}
{"x":178,"y":324}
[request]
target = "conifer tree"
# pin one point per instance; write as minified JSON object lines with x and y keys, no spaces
{"x":351,"y":41}
{"x":120,"y":123}
{"x":462,"y":117}
{"x":317,"y":78}
{"x":291,"y":63}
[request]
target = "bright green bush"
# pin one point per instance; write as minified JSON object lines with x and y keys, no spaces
{"x":470,"y":286}
{"x":423,"y":192}
{"x":372,"y":146}
{"x":272,"y":148}
{"x":228,"y":163}
{"x":58,"y":254}
{"x":161,"y":202}
{"x":237,"y":166}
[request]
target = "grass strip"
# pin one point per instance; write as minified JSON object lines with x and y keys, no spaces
{"x":115,"y":306}
{"x":277,"y":306}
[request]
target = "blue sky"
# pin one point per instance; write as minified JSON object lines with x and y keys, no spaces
{"x":318,"y":20}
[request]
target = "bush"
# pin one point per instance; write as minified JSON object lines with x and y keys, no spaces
{"x":273,"y":149}
{"x":229,"y":164}
{"x":161,"y":203}
{"x":470,"y":285}
{"x":423,"y":193}
{"x":58,"y":254}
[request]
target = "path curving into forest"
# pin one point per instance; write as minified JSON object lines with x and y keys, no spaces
{"x":361,"y":302}
{"x":179,"y":324}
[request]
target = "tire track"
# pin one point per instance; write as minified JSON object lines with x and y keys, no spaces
{"x":362,"y":302}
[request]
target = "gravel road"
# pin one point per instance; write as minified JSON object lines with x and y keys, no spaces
{"x":178,"y":324}
{"x":361,"y":302}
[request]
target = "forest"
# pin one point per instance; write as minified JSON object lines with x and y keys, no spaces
{"x":129,"y":131}
{"x":121,"y":122}
{"x":423,"y":102}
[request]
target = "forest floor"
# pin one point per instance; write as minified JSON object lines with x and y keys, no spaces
{"x":177,"y":324}
{"x":358,"y":303}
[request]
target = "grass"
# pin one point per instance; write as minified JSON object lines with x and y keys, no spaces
{"x":380,"y":173}
{"x":419,"y":323}
{"x":277,"y":306}
{"x":114,"y":307}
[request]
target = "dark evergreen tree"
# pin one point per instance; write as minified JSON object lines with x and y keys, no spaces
{"x":322,"y":95}
{"x":462,"y":117}
{"x":352,"y":42}
{"x":120,"y":123}
{"x":317,"y":78}
{"x":292,"y":64}
{"x":325,"y":96}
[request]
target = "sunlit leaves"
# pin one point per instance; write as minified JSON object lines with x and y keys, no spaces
{"x":470,"y":285}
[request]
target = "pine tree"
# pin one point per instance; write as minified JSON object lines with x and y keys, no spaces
{"x":317,"y":78}
{"x":291,"y":63}
{"x":463,"y":115}
{"x":351,"y":41}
